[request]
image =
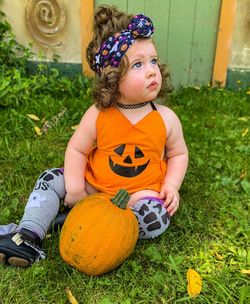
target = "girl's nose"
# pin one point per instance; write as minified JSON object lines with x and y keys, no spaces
{"x":150,"y":71}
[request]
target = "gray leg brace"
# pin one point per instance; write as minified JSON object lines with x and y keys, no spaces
{"x":43,"y":204}
{"x":152,"y":217}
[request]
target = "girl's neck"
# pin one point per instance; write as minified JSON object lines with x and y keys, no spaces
{"x":135,"y":115}
{"x":132,"y":105}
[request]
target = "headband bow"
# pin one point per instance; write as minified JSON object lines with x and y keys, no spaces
{"x":113,"y":49}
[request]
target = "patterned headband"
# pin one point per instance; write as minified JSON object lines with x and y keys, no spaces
{"x":112,"y":50}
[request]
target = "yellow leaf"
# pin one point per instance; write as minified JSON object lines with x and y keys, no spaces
{"x":219,"y":256}
{"x":33,"y":117}
{"x":243,"y":118}
{"x":38,"y":131}
{"x":245,"y":271}
{"x":74,"y":127}
{"x":243,"y":175}
{"x":194,"y":283}
{"x":248,"y":92}
{"x":244,"y":133}
{"x":71,"y":298}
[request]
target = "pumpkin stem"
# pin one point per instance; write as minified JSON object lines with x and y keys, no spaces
{"x":121,"y":199}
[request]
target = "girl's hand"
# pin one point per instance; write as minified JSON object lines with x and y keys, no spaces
{"x":72,"y":198}
{"x":170,"y":195}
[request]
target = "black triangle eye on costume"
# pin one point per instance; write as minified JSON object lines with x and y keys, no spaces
{"x":119,"y":150}
{"x":128,"y":171}
{"x":138,"y":153}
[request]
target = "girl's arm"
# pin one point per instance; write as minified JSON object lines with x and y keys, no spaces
{"x":176,"y":153}
{"x":78,"y":147}
{"x":177,"y":161}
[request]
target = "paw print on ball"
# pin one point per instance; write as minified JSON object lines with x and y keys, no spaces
{"x":152,"y":217}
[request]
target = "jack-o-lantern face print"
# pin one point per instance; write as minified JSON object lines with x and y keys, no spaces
{"x":128,"y":162}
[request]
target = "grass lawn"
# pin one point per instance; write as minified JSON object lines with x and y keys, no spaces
{"x":210,"y":232}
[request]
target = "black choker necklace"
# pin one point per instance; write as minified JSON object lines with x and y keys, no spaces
{"x":132,"y":106}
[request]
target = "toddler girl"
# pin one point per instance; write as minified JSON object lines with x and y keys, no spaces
{"x":125,"y":140}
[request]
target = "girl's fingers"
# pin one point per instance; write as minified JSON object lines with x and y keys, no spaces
{"x":68,"y":204}
{"x":168,"y":200}
{"x":172,"y":208}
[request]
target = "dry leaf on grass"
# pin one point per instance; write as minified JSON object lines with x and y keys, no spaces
{"x":74,"y":127}
{"x":218,"y":256}
{"x":244,"y":133}
{"x":38,"y":131}
{"x":194,"y":283}
{"x":71,"y":298}
{"x":243,"y":118}
{"x":33,"y":117}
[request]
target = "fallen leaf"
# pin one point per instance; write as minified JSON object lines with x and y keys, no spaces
{"x":38,"y":131}
{"x":218,"y":256}
{"x":245,"y":271}
{"x":244,"y":133}
{"x":194,"y":283}
{"x":71,"y":298}
{"x":74,"y":127}
{"x":243,"y":175}
{"x":33,"y":117}
{"x":243,"y":118}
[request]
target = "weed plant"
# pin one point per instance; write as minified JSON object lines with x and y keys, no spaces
{"x":209,"y":233}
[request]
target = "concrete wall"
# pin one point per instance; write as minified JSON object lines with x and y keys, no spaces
{"x":240,"y":53}
{"x":53,"y":26}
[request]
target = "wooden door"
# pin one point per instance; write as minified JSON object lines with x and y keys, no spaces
{"x":185,"y":35}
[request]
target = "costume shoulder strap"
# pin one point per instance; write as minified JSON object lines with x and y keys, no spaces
{"x":153,"y":106}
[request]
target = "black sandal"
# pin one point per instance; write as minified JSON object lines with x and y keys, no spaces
{"x":20,"y":249}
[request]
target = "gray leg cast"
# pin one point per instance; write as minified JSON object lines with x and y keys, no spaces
{"x":152,"y":217}
{"x":43,"y":204}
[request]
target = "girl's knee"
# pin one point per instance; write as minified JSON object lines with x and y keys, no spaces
{"x":152,"y":217}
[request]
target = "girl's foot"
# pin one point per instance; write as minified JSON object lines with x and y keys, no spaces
{"x":20,"y":249}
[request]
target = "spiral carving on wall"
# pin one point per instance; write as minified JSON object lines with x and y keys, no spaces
{"x":46,"y":20}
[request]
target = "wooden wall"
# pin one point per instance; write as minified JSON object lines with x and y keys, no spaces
{"x":186,"y":32}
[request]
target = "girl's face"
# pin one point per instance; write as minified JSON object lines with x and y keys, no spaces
{"x":142,"y":81}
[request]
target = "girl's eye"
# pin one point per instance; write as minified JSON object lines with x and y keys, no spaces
{"x":137,"y":65}
{"x":154,"y":61}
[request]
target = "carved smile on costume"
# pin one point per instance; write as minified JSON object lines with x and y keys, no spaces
{"x":127,"y":167}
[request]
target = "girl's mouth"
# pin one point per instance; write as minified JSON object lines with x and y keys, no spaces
{"x":153,"y":85}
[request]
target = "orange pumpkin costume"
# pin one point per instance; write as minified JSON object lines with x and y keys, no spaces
{"x":127,"y":156}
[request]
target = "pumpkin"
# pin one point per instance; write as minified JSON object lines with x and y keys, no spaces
{"x":99,"y":233}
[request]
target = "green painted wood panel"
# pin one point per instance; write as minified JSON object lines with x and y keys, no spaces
{"x":185,"y":34}
{"x":204,"y":41}
{"x":180,"y":40}
{"x":122,"y":4}
{"x":161,"y":22}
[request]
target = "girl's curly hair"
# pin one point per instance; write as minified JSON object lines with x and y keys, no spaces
{"x":108,"y":20}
